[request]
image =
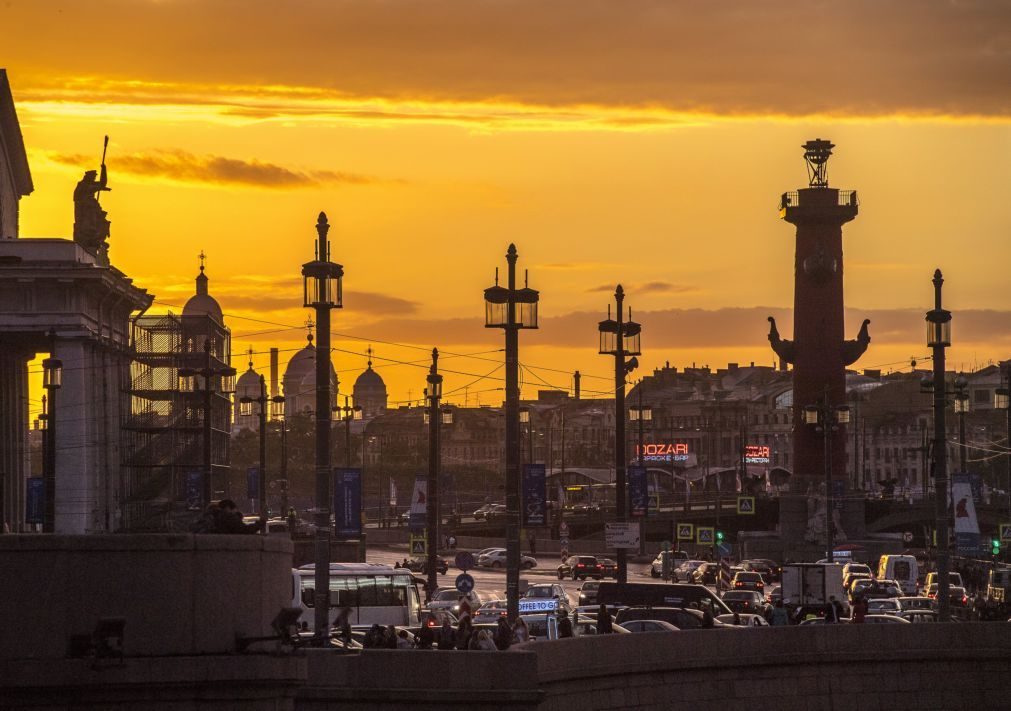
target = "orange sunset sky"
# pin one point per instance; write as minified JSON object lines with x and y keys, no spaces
{"x":640,"y":142}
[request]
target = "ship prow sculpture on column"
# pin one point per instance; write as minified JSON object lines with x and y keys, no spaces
{"x":819,"y":354}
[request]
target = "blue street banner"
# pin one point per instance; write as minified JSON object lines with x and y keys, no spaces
{"x":638,"y":492}
{"x":35,"y":500}
{"x":194,"y":490}
{"x":966,"y":525}
{"x":534,"y":495}
{"x":418,"y":517}
{"x":347,"y":502}
{"x":253,"y":483}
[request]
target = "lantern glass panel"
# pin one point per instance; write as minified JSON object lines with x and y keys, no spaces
{"x":187,"y":383}
{"x":227,"y":381}
{"x":424,"y":416}
{"x":961,"y":403}
{"x":810,"y":415}
{"x":447,"y":417}
{"x":277,"y":407}
{"x":495,"y":315}
{"x":647,"y":414}
{"x":245,"y":407}
{"x":524,"y":415}
{"x":631,"y":345}
{"x":608,"y":342}
{"x":939,"y":334}
{"x":42,"y":423}
{"x":356,"y":413}
{"x":52,"y":373}
{"x":842,"y":415}
{"x":526,"y":315}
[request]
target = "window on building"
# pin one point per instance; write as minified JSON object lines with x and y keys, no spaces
{"x":982,"y":397}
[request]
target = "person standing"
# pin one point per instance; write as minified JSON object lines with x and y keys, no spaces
{"x":564,"y":625}
{"x":604,"y":621}
{"x":780,"y":617}
{"x":520,"y":631}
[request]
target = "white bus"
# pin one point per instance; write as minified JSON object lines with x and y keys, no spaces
{"x":376,"y":594}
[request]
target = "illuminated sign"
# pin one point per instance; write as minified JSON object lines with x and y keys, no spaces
{"x":664,"y":452}
{"x":756,"y":454}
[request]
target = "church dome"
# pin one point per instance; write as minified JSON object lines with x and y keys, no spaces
{"x":370,"y":391}
{"x":202,"y":303}
{"x":250,"y":379}
{"x":302,"y":363}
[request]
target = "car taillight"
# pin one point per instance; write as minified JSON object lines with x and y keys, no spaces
{"x":738,"y":585}
{"x":580,"y":566}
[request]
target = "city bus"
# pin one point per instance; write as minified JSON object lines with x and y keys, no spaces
{"x":376,"y":593}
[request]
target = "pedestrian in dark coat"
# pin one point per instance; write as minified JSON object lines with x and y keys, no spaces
{"x":604,"y":620}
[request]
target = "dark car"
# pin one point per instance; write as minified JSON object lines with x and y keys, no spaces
{"x":420,"y":565}
{"x":588,"y":593}
{"x":581,"y":567}
{"x":706,"y":574}
{"x":746,"y":580}
{"x":610,"y":568}
{"x":682,"y":618}
{"x":747,"y":601}
{"x":767,"y":568}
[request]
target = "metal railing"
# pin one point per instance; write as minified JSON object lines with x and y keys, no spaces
{"x":847,"y":198}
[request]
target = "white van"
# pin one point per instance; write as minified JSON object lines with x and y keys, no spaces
{"x":902,"y":569}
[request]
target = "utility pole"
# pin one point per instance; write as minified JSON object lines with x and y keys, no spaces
{"x":434,"y":517}
{"x":939,"y":339}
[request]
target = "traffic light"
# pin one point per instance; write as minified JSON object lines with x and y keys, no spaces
{"x":719,"y":537}
{"x":995,"y":547}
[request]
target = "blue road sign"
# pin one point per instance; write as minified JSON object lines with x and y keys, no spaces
{"x":464,"y":583}
{"x":464,"y":560}
{"x":35,"y":500}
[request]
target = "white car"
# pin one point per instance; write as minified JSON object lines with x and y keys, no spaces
{"x":497,"y":559}
{"x":650,"y":626}
{"x":746,"y":620}
{"x":884,"y":606}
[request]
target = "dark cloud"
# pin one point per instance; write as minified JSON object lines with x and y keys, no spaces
{"x":774,"y":58}
{"x":650,"y":287}
{"x":185,"y":167}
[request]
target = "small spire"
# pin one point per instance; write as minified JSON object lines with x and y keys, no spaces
{"x":201,"y":277}
{"x":370,"y":356}
{"x":202,"y":257}
{"x":249,"y":352}
{"x":309,"y":326}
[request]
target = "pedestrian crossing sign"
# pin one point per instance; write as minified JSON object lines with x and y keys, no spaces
{"x":746,"y":505}
{"x":686,"y":531}
{"x":705,"y":535}
{"x":419,"y":545}
{"x":1005,"y":532}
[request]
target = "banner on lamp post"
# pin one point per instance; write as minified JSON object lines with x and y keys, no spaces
{"x":253,"y":483}
{"x":534,"y":495}
{"x":347,"y":502}
{"x":35,"y":500}
{"x":418,"y":517}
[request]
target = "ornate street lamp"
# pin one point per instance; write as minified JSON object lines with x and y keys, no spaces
{"x":322,"y":282}
{"x":511,"y":309}
{"x":939,"y":338}
{"x":620,"y":339}
{"x":246,"y":410}
{"x":219,"y":380}
{"x":432,"y":510}
{"x":52,"y":380}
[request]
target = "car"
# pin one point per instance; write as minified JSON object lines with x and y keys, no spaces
{"x":706,"y":574}
{"x":649,"y":626}
{"x":581,"y":567}
{"x":957,"y":596}
{"x":871,"y":589}
{"x":480,"y":514}
{"x":683,"y":573}
{"x":490,"y":611}
{"x":884,"y":606}
{"x":954,"y":580}
{"x":774,"y":595}
{"x":747,"y":601}
{"x":590,"y":611}
{"x":853,"y":567}
{"x":543,"y":591}
{"x":676,"y":558}
{"x":588,"y":593}
{"x":748,"y":581}
{"x":884,"y":619}
{"x":495,"y":512}
{"x":497,"y":559}
{"x":766,"y":568}
{"x":747,"y":620}
{"x":916,"y":603}
{"x":449,"y":599}
{"x":848,"y":580}
{"x":486,"y":551}
{"x":610,"y":568}
{"x":420,"y":565}
{"x":918,"y":616}
{"x":680,"y":617}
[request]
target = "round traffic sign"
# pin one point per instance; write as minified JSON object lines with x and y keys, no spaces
{"x":464,"y":560}
{"x":563,"y":528}
{"x":464,"y":583}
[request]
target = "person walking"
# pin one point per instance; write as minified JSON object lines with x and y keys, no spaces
{"x":520,"y":631}
{"x":780,"y":617}
{"x":503,"y":633}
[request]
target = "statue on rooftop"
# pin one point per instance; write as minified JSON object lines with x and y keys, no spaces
{"x":91,"y":227}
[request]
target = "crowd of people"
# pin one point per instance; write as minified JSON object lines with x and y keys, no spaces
{"x":443,"y":635}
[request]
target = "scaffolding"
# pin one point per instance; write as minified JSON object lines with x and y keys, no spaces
{"x":163,"y":429}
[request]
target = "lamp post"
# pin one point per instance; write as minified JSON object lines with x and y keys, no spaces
{"x":52,"y":380}
{"x":225,"y":377}
{"x":511,"y":309}
{"x":322,"y":282}
{"x":1002,"y":401}
{"x":277,"y":412}
{"x":434,"y":518}
{"x":826,"y":419}
{"x":349,"y":414}
{"x":246,"y":409}
{"x":939,"y":338}
{"x":961,"y":407}
{"x":620,"y":339}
